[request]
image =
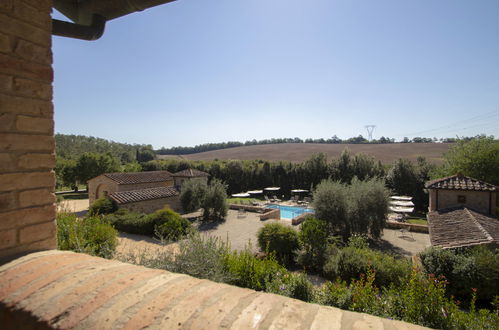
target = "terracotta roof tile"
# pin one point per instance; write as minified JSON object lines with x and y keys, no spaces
{"x":139,"y":177}
{"x":123,"y":197}
{"x":191,"y":173}
{"x":460,"y":182}
{"x":461,"y":226}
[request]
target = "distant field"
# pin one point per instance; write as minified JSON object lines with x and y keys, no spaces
{"x":297,"y":152}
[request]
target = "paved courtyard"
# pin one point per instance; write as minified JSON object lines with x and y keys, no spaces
{"x":242,"y":230}
{"x":239,"y":230}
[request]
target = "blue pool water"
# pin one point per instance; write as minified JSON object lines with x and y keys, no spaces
{"x":289,"y":212}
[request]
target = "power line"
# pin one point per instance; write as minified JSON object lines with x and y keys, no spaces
{"x":453,"y":125}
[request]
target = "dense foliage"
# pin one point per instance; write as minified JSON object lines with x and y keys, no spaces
{"x":170,"y":225}
{"x":358,"y":208}
{"x":102,"y":206}
{"x":477,"y":158}
{"x":90,"y":235}
{"x":192,"y":194}
{"x":350,"y":262}
{"x":131,"y":222}
{"x":165,"y":223}
{"x":214,"y":203}
{"x":73,"y":146}
{"x":467,"y":268}
{"x":419,"y":298}
{"x":279,"y":239}
{"x":314,"y":241}
{"x":407,"y":178}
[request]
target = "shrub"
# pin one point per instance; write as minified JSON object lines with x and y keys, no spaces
{"x":422,"y":301}
{"x":250,"y":272}
{"x":358,"y":242}
{"x":314,"y":240}
{"x":164,"y":223}
{"x":279,"y":239}
{"x":293,"y":285}
{"x":102,"y":206}
{"x":336,"y":294}
{"x":173,"y":227}
{"x":202,"y":258}
{"x":131,"y":222}
{"x":89,"y":235}
{"x":350,"y":262}
{"x":464,"y":269}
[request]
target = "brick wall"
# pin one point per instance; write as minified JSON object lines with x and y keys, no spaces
{"x":27,"y":210}
{"x":78,"y":291}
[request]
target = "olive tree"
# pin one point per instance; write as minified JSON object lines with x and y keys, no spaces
{"x":192,"y":194}
{"x":358,"y":208}
{"x":215,"y":202}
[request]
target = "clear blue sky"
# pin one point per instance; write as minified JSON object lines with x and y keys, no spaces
{"x":193,"y":72}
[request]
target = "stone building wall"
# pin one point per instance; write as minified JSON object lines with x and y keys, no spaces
{"x":97,"y":186}
{"x":27,"y":146}
{"x":152,"y":205}
{"x":179,"y":181}
{"x":479,"y":200}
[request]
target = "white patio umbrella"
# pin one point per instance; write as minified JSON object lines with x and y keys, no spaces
{"x":299,"y":191}
{"x":255,"y":192}
{"x":401,"y":203}
{"x":241,"y":195}
{"x":400,"y":209}
{"x":401,"y":198}
{"x":272,"y":188}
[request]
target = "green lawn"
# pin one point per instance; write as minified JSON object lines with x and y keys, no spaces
{"x":418,"y":221}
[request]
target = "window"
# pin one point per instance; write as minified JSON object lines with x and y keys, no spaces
{"x":461,"y":199}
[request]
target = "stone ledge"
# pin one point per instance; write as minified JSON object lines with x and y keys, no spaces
{"x":409,"y":226}
{"x":58,"y":289}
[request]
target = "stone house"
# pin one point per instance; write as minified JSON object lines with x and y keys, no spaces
{"x":182,"y":176}
{"x":459,"y":190}
{"x":462,"y":212}
{"x":143,"y":192}
{"x":109,"y":183}
{"x":43,"y":288}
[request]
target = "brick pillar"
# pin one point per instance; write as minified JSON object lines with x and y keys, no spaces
{"x":27,"y":147}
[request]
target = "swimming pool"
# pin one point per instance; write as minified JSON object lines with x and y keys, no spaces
{"x":290,"y":212}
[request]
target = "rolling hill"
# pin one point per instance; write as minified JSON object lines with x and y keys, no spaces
{"x":298,"y":152}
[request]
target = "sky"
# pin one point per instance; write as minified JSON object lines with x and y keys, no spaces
{"x":193,"y":72}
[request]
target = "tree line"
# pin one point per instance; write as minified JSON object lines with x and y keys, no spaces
{"x":73,"y":146}
{"x":476,"y":157}
{"x":333,"y":140}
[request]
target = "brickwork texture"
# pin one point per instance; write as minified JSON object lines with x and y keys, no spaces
{"x":27,"y":144}
{"x":65,"y":290}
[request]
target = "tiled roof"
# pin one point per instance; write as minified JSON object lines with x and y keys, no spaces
{"x":460,"y":182}
{"x":191,"y":173}
{"x":461,"y":226}
{"x":123,"y":197}
{"x":139,"y":177}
